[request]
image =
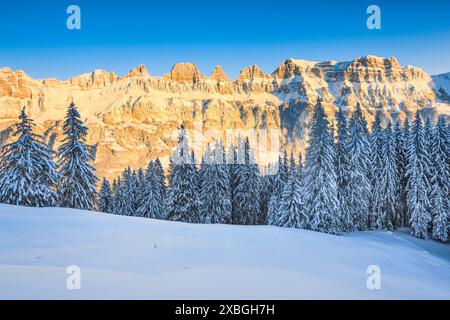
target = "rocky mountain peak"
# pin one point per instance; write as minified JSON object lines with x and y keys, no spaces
{"x":252,"y":72}
{"x":138,"y":71}
{"x":292,"y":67}
{"x":96,"y":79}
{"x":15,"y":83}
{"x":184,"y":72}
{"x":219,"y":75}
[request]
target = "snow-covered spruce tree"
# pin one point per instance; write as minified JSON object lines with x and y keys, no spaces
{"x":429,"y":137}
{"x":300,"y":163}
{"x":127,"y":193}
{"x":198,"y":183}
{"x":207,"y":159}
{"x":28,"y":174}
{"x":292,"y":213}
{"x":418,"y":185}
{"x":160,"y":178}
{"x":285,"y":172}
{"x":181,"y":204}
{"x":114,"y":193}
{"x":139,"y":189}
{"x":153,"y":196}
{"x":120,"y":198}
{"x":77,"y":187}
{"x":319,"y":177}
{"x":279,"y":180}
{"x":292,"y":165}
{"x":400,"y":144}
{"x":342,"y":164}
{"x":232,"y":159}
{"x":248,"y":186}
{"x":359,"y":187}
{"x":105,"y":202}
{"x":385,"y":189}
{"x":238,"y":160}
{"x":215,"y":193}
{"x":428,"y":133}
{"x":440,"y":155}
{"x":266,"y":181}
{"x":170,"y":172}
{"x":440,"y":180}
{"x":439,"y":212}
{"x":376,"y":151}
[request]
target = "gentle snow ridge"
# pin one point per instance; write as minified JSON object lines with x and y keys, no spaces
{"x":124,"y":257}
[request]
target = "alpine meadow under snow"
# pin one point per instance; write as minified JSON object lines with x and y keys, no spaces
{"x":124,"y":257}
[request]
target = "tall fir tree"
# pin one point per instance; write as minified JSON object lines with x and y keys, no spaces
{"x":135,"y":191}
{"x":232,"y":163}
{"x":376,"y":168}
{"x":105,"y":202}
{"x":170,"y":171}
{"x":181,"y":204}
{"x":320,"y":180}
{"x":300,"y":162}
{"x":153,"y":196}
{"x":78,"y":184}
{"x":247,"y":193}
{"x":429,"y":171}
{"x":440,"y":155}
{"x":128,"y":193}
{"x":359,"y":186}
{"x":292,"y":165}
{"x":342,"y":164}
{"x":418,"y":185}
{"x":121,"y":201}
{"x":28,"y":174}
{"x":440,"y":181}
{"x":140,"y":187}
{"x":400,"y":144}
{"x":160,"y":179}
{"x":385,"y":190}
{"x":266,"y":191}
{"x":292,"y":213}
{"x":279,"y":181}
{"x":215,"y":193}
{"x":440,"y":215}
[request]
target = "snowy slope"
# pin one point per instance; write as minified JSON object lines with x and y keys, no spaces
{"x":441,"y":84}
{"x":124,"y":257}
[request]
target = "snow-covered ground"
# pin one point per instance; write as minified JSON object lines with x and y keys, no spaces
{"x":124,"y":257}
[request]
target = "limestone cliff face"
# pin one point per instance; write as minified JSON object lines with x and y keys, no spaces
{"x":134,"y":118}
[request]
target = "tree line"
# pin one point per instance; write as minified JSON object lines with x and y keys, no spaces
{"x":352,"y":178}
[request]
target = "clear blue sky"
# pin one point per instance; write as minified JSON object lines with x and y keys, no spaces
{"x":117,"y":35}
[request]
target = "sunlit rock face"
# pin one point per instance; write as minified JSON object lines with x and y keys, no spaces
{"x":134,"y":118}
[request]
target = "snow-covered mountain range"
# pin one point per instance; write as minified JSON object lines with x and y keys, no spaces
{"x":132,"y":118}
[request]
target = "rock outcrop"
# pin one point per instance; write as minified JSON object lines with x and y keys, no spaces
{"x":184,"y":72}
{"x":218,"y":75}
